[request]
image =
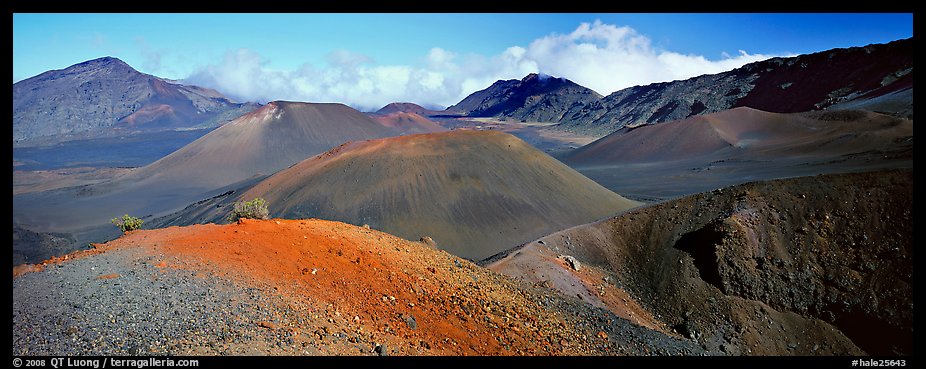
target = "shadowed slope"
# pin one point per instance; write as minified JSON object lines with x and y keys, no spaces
{"x":791,"y":266}
{"x":475,"y":193}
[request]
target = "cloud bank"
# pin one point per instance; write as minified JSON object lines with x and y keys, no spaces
{"x":603,"y":57}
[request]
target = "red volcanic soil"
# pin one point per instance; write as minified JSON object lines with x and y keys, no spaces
{"x":373,"y":287}
{"x":408,"y":123}
{"x":147,"y":114}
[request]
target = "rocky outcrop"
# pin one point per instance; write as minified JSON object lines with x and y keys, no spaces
{"x":537,"y":97}
{"x":816,"y":265}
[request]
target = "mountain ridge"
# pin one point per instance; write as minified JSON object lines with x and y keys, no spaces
{"x":106,"y":97}
{"x":876,"y":76}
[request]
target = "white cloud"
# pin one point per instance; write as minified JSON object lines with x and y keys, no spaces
{"x":603,"y":57}
{"x":607,"y":58}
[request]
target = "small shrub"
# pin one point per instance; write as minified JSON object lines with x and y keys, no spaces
{"x":127,"y":223}
{"x":254,"y":209}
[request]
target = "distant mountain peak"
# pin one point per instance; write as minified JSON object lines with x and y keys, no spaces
{"x":406,"y":107}
{"x":108,"y":97}
{"x":103,"y":62}
{"x":107,"y":59}
{"x":542,"y":77}
{"x":536,"y":97}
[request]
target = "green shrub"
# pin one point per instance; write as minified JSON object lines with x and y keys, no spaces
{"x":254,"y":209}
{"x":127,"y":223}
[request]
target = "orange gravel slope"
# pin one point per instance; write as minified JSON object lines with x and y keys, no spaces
{"x":376,"y":286}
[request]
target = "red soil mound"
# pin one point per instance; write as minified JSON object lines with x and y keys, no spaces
{"x":402,"y":293}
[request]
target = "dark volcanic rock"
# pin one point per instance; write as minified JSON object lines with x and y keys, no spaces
{"x":535,"y":98}
{"x":106,"y":97}
{"x":876,"y":77}
{"x":781,"y":85}
{"x":32,"y":247}
{"x":791,"y":266}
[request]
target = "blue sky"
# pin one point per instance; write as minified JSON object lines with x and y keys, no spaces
{"x":367,"y":60}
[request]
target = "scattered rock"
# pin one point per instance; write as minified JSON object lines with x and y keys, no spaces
{"x":602,"y":335}
{"x":134,"y":349}
{"x":411,"y":322}
{"x":267,"y":325}
{"x":572,"y":262}
{"x":427,"y":241}
{"x":380,"y":350}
